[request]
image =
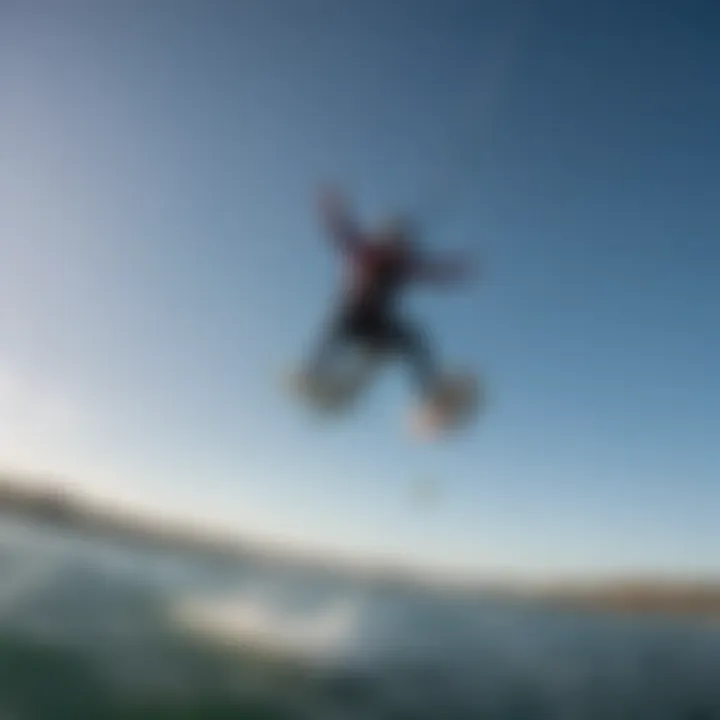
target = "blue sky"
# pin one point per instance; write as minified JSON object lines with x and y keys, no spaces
{"x":162,"y":264}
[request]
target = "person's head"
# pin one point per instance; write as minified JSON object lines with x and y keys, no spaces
{"x":397,"y":235}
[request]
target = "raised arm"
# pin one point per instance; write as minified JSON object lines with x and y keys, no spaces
{"x":338,"y":222}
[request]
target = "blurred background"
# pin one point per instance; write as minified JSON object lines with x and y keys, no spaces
{"x":179,"y":538}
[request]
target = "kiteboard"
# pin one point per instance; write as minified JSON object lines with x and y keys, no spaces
{"x":453,"y":406}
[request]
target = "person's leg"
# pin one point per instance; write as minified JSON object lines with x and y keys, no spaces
{"x":414,"y":346}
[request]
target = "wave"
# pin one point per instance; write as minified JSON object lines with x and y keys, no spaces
{"x":163,"y":627}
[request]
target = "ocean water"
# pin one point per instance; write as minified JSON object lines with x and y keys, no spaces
{"x":94,"y":628}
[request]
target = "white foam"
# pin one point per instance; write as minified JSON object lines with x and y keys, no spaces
{"x":253,"y":618}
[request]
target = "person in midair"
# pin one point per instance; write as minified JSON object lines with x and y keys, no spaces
{"x":380,"y":265}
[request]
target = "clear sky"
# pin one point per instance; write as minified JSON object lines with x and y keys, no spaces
{"x":161,"y":263}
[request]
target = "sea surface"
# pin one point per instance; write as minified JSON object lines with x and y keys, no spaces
{"x":97,"y":628}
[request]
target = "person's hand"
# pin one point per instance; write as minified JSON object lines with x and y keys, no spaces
{"x":460,"y":268}
{"x":338,"y":220}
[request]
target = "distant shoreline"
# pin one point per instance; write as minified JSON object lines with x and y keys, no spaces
{"x":50,"y":503}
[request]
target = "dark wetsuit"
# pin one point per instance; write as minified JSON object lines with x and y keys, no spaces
{"x":367,"y":314}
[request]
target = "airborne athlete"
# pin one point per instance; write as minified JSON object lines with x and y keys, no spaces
{"x":381,"y":264}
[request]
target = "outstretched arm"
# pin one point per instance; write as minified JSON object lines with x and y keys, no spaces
{"x":338,"y":221}
{"x":444,"y":271}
